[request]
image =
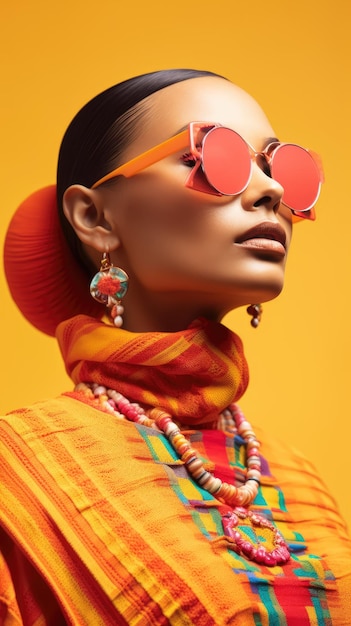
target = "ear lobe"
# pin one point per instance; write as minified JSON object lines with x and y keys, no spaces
{"x":84,"y":209}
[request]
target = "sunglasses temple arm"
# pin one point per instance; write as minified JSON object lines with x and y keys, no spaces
{"x":142,"y":161}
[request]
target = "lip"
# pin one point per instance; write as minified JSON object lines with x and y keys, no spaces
{"x":264,"y":236}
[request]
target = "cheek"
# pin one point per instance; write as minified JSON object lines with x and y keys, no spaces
{"x":158,"y":211}
{"x":169,"y":231}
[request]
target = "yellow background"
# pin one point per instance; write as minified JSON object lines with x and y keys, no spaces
{"x":294,"y":58}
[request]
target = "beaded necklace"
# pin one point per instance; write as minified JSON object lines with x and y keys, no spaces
{"x":236,"y":498}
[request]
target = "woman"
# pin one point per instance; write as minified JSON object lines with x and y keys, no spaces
{"x":144,"y":496}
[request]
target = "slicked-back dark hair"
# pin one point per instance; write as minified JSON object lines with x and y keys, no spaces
{"x":100,"y":132}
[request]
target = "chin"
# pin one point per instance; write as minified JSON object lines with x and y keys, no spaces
{"x":258,"y":294}
{"x":270,"y":293}
{"x":267,"y":285}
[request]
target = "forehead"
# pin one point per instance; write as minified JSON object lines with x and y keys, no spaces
{"x":204,"y":99}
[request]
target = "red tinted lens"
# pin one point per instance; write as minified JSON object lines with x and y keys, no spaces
{"x":226,"y":161}
{"x":297,"y":172}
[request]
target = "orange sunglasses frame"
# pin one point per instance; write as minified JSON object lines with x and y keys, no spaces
{"x":183,"y":140}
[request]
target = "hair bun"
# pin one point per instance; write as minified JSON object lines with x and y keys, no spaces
{"x":45,"y":280}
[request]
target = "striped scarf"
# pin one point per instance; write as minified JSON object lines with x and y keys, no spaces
{"x":192,"y":374}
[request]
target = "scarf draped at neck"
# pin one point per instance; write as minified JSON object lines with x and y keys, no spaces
{"x":192,"y":374}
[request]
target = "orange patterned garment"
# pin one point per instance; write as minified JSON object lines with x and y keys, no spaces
{"x":100,"y":523}
{"x":193,"y":374}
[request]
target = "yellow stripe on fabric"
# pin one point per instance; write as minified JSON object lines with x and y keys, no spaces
{"x":41,"y":541}
{"x":115,"y":545}
{"x":188,"y":489}
{"x":165,"y":355}
{"x":208,"y":521}
{"x":161,"y":451}
{"x":37,"y":543}
{"x":99,"y":525}
{"x":319,"y":570}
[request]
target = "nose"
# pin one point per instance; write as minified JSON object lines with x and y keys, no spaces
{"x":262,"y":190}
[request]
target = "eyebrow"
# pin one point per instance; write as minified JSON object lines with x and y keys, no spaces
{"x":271,"y":140}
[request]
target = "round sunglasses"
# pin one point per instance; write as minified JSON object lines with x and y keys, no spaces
{"x":222,"y":165}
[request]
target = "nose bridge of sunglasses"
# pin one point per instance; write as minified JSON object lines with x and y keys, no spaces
{"x":262,"y":159}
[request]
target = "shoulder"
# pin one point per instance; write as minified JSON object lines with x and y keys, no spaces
{"x":309,"y":504}
{"x":44,"y":415}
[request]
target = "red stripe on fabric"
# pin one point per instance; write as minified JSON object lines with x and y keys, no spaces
{"x":215,"y":449}
{"x":297,"y":613}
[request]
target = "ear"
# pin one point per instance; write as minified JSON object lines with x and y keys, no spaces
{"x":85,"y":210}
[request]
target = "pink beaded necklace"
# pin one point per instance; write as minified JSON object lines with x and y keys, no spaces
{"x":236,"y":498}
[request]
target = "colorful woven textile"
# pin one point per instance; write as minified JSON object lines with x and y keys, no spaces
{"x":100,"y":525}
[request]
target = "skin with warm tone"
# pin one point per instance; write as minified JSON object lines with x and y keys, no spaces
{"x":186,"y":252}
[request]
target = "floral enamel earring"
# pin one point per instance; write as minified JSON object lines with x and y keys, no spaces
{"x":109,"y":286}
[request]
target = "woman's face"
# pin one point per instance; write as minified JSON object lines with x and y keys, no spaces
{"x":184,"y":250}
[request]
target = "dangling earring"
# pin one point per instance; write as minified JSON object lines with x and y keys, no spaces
{"x":256,"y":311}
{"x":109,"y":286}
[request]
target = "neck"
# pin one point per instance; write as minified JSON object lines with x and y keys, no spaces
{"x":168,"y":312}
{"x":169,"y":321}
